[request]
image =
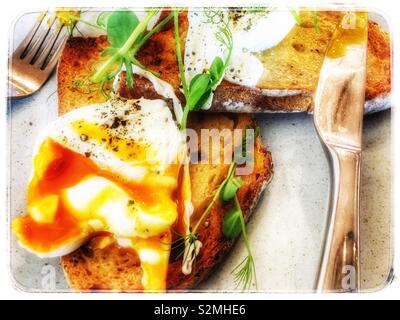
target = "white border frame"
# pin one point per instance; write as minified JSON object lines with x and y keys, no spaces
{"x":13,"y":10}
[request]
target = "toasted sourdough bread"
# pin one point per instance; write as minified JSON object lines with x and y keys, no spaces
{"x":292,"y":67}
{"x":96,"y":266}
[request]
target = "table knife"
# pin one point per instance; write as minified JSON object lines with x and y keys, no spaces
{"x":338,"y":118}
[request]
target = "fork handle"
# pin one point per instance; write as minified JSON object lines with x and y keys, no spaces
{"x":340,"y":264}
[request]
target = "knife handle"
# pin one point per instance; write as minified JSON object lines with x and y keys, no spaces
{"x":340,"y":264}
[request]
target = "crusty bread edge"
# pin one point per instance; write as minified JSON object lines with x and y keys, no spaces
{"x":271,"y":96}
{"x":251,"y":210}
{"x":226,"y":253}
{"x":377,"y":104}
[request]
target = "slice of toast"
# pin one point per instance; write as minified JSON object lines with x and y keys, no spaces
{"x":293,"y":67}
{"x":96,"y":266}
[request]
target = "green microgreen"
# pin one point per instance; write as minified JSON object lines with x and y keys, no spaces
{"x":179,"y":53}
{"x":233,"y":224}
{"x":256,"y":9}
{"x":149,"y":34}
{"x":315,"y":15}
{"x":245,"y":271}
{"x":120,"y":25}
{"x":299,"y":21}
{"x":201,"y":87}
{"x":123,"y":30}
{"x":189,"y":241}
{"x":296,"y":15}
{"x":102,"y":19}
{"x":230,"y":188}
{"x":126,"y":35}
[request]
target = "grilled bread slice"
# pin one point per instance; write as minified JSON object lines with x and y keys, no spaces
{"x":288,"y":86}
{"x":293,"y":67}
{"x":101,"y":264}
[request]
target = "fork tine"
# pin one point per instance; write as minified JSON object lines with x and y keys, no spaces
{"x":34,"y":51}
{"x":23,"y":46}
{"x":41,"y":50}
{"x":51,"y":42}
{"x":53,"y":59}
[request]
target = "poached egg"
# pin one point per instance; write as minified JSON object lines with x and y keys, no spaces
{"x":253,"y":31}
{"x":117,"y":167}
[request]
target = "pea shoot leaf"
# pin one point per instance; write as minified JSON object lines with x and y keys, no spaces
{"x":230,"y":188}
{"x":126,"y":35}
{"x":199,"y":90}
{"x":217,"y":69}
{"x":231,"y":225}
{"x":120,"y":25}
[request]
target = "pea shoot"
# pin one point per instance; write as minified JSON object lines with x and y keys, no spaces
{"x":233,"y":224}
{"x":316,"y":25}
{"x":200,"y":90}
{"x":232,"y":227}
{"x":126,"y":35}
{"x":296,"y":16}
{"x":299,"y":20}
{"x":198,"y":94}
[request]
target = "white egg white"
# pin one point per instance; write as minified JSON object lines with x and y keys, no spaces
{"x":252,"y":32}
{"x":147,"y":122}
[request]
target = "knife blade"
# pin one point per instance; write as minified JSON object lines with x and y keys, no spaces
{"x":338,"y":118}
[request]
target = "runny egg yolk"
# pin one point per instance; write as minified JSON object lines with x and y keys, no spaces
{"x":352,"y":30}
{"x":69,"y":198}
{"x":124,"y":149}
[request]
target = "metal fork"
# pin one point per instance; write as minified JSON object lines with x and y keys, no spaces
{"x":35,"y":58}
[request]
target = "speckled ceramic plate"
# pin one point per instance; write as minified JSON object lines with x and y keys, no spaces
{"x":286,"y":231}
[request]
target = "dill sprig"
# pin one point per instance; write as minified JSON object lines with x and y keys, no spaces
{"x":245,"y":271}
